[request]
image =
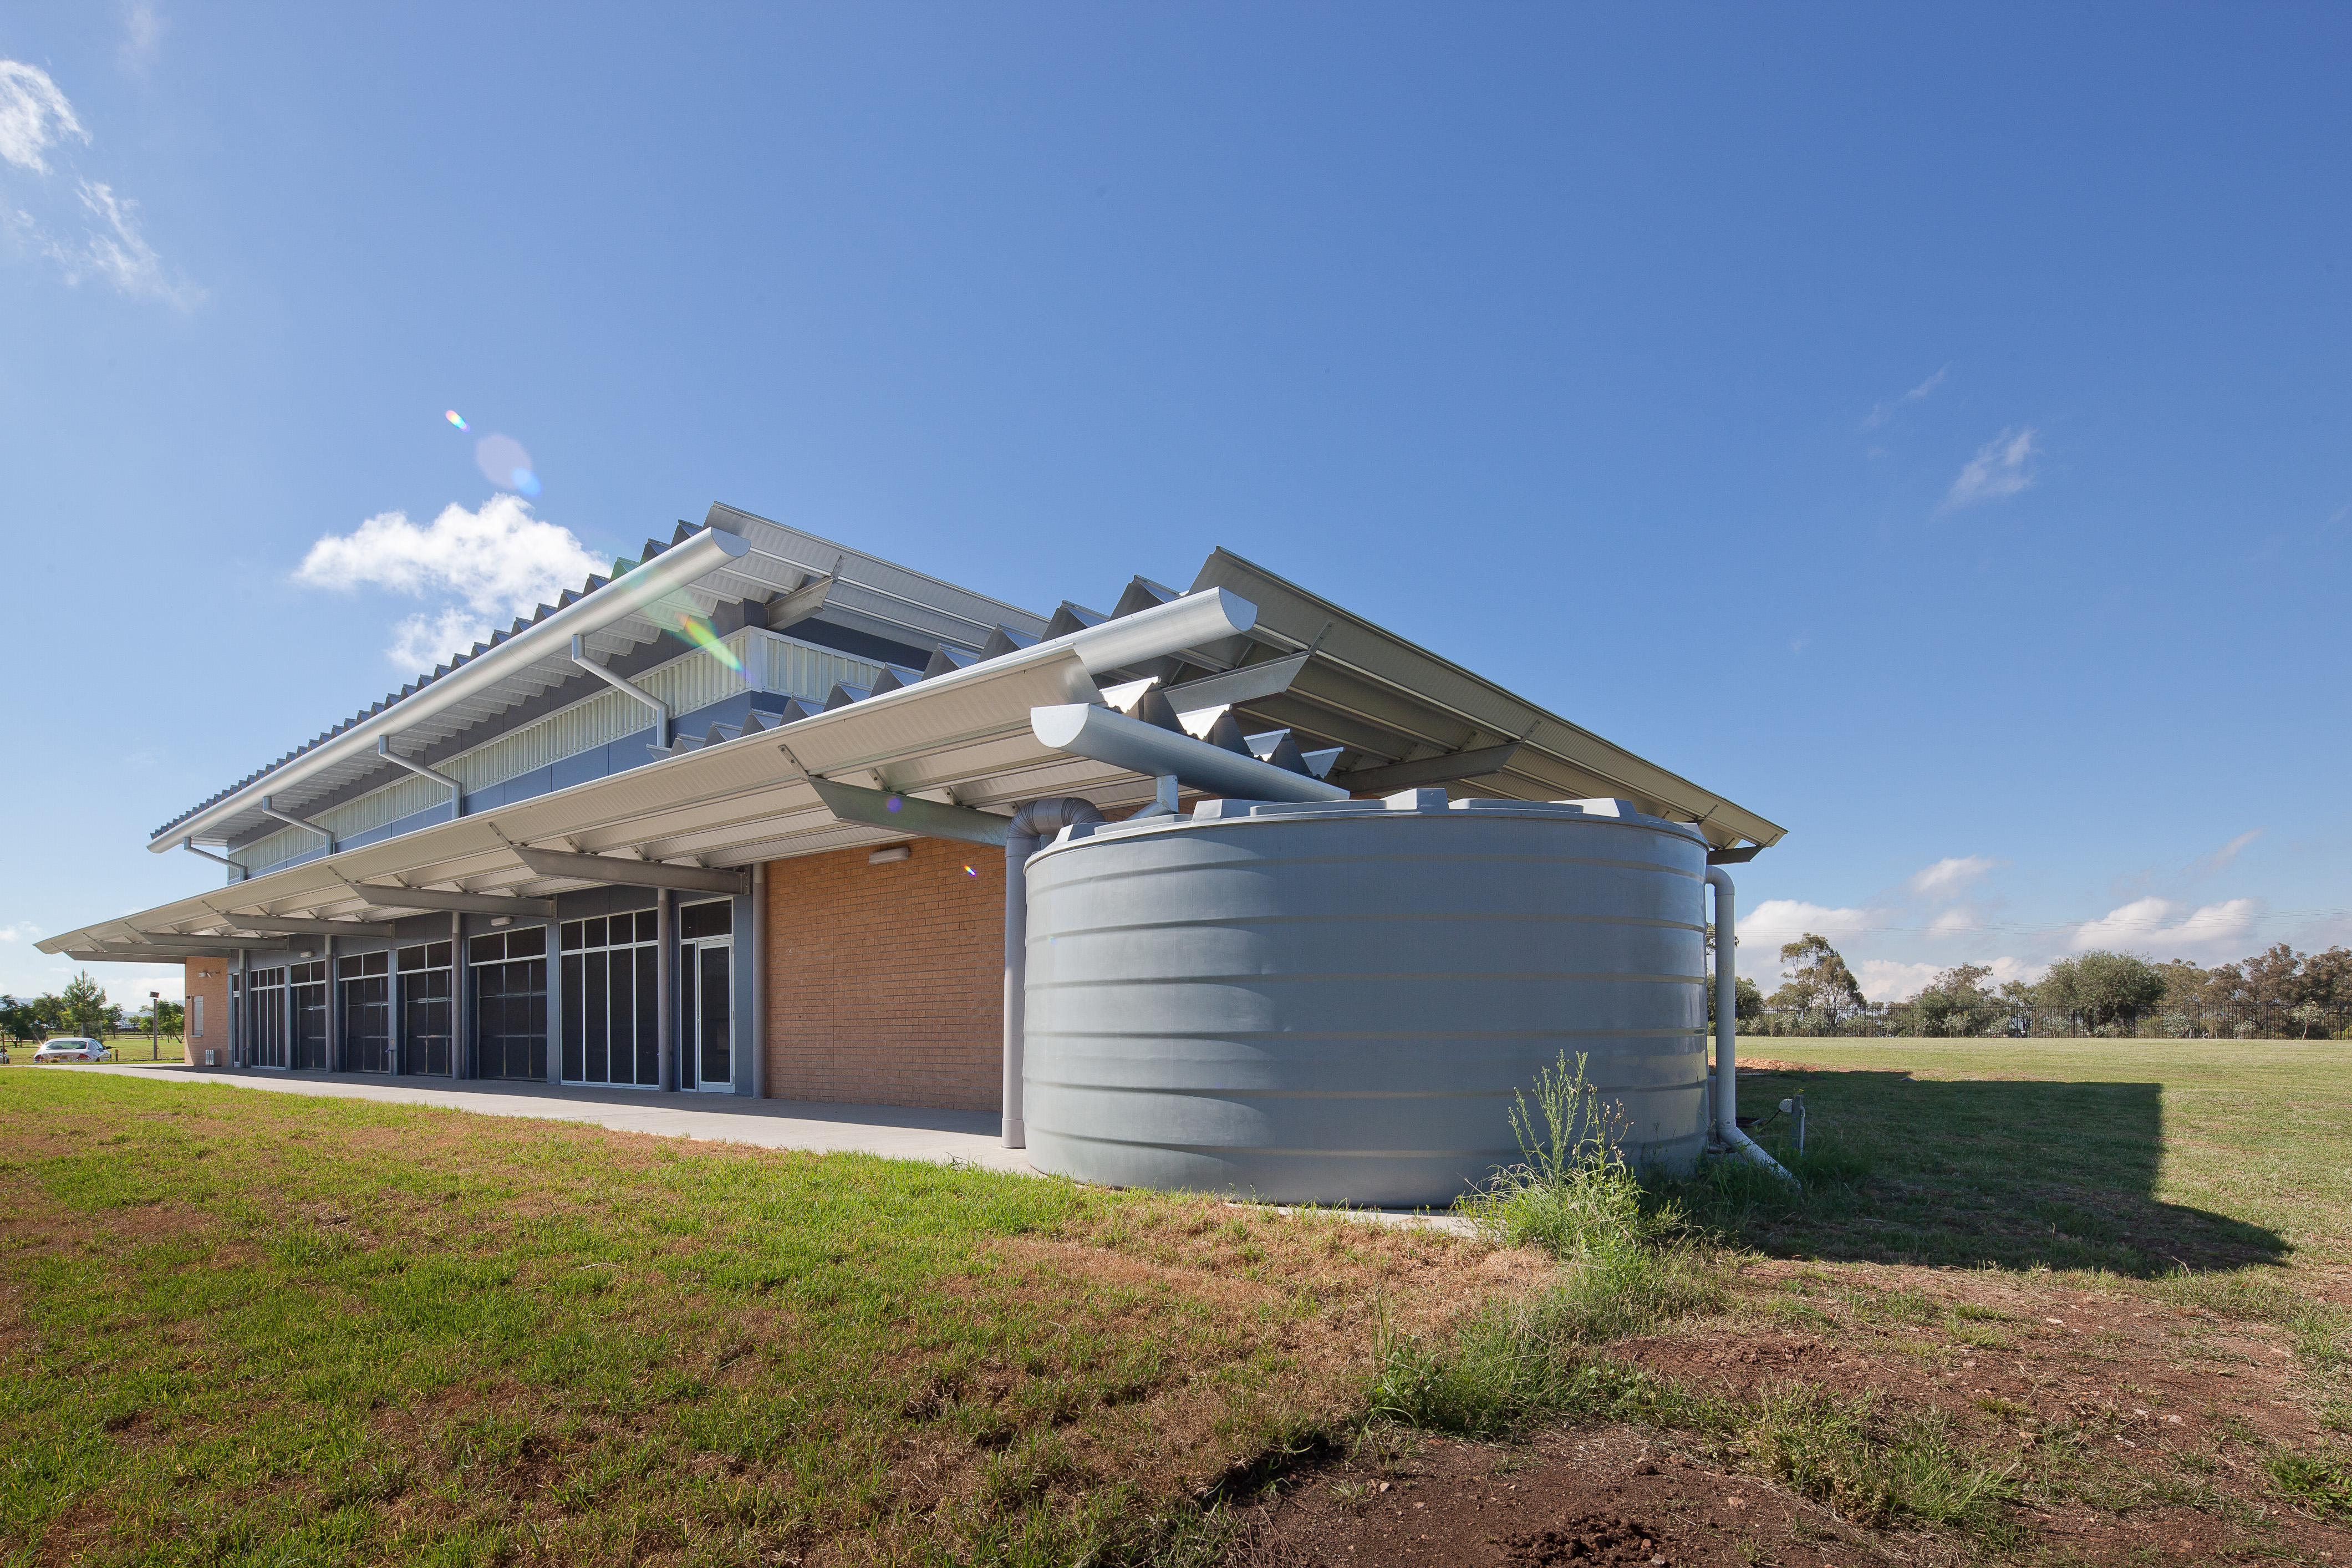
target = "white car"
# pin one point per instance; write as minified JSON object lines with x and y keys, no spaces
{"x":71,"y":1048}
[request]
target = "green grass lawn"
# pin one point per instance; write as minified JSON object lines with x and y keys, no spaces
{"x":260,"y":1328}
{"x":2134,"y":1156}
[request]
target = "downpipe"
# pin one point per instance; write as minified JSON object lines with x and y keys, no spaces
{"x":1032,"y":824}
{"x":1726,"y":1031}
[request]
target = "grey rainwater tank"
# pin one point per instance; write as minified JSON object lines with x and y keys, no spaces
{"x":1333,"y":1002}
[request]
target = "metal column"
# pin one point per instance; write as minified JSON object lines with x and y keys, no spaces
{"x":334,"y":1011}
{"x":759,"y":1029}
{"x":666,"y":986}
{"x":461,"y":1034}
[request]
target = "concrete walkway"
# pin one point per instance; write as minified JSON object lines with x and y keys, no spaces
{"x":896,"y":1132}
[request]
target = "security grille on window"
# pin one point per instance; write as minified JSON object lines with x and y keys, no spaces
{"x":311,"y":1015}
{"x":511,"y":1003}
{"x":610,"y":1001}
{"x":364,"y":980}
{"x":423,"y":1046}
{"x":265,"y":1001}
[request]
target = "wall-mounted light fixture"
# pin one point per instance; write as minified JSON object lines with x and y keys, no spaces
{"x":895,"y":853}
{"x":501,"y":919}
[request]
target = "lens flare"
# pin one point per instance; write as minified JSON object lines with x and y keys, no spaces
{"x":454,"y":417}
{"x":969,"y":872}
{"x":893,"y":803}
{"x":505,"y":464}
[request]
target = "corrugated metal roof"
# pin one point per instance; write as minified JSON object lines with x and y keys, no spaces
{"x":1330,"y":677}
{"x":867,"y":594}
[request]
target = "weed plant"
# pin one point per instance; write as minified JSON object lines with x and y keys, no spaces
{"x":1630,"y":1262}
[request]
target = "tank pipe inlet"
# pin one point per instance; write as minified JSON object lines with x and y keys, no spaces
{"x":1727,"y":1030}
{"x":1032,"y":824}
{"x":1105,"y":735}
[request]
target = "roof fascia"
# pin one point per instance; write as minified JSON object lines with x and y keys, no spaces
{"x":1375,"y":654}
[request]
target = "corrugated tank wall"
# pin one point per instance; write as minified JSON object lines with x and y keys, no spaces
{"x":1338,"y":1003}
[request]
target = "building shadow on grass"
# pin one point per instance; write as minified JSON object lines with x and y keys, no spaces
{"x":2015,"y":1174}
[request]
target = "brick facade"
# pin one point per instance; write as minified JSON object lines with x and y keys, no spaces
{"x":885,"y":984}
{"x":207,"y":978}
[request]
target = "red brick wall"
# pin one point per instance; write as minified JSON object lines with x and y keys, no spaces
{"x":207,"y":978}
{"x":885,"y":983}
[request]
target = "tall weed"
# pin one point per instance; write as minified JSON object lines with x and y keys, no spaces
{"x":1628,"y":1265}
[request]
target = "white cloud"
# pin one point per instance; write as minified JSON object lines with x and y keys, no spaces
{"x":421,"y":641}
{"x":1881,"y":413}
{"x":1947,"y":877}
{"x":1764,"y":929}
{"x":2153,"y":924}
{"x":120,"y":253}
{"x":1953,"y":922}
{"x":33,"y":116}
{"x":1884,"y":980}
{"x":143,"y":37}
{"x":20,"y":931}
{"x":2207,"y":865}
{"x":1997,"y":470}
{"x":2005,"y":969}
{"x":499,"y":560}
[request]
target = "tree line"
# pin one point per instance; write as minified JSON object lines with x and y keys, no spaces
{"x":81,"y":1008}
{"x":2278,"y":994}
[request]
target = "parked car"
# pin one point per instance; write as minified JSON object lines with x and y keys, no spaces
{"x":71,"y":1048}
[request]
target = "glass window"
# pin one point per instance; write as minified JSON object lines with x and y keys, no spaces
{"x":608,"y":1005}
{"x":529,"y":941}
{"x":707,"y":919}
{"x":649,"y":925}
{"x":487,"y":949}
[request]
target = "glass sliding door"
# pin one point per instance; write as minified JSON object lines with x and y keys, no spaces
{"x":264,"y":1006}
{"x":364,"y":980}
{"x":511,"y":1003}
{"x":608,"y":973}
{"x":706,"y":994}
{"x":311,"y":1015}
{"x":422,"y":1045}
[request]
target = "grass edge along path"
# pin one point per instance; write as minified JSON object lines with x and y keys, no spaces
{"x":245,"y":1328}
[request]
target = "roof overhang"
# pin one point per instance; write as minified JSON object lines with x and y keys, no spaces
{"x":966,"y":740}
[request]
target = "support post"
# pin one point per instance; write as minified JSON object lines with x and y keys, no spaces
{"x":1031,"y":825}
{"x":666,"y":986}
{"x":461,"y":973}
{"x":759,"y":981}
{"x":334,"y":1009}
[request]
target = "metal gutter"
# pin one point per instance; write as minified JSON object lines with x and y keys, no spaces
{"x":669,"y":572}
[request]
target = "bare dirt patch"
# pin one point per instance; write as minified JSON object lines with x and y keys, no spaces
{"x":2137,"y":1432}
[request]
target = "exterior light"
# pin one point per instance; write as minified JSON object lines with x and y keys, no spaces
{"x":894,"y":854}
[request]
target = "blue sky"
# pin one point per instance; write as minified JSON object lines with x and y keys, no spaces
{"x":1926,"y":425}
